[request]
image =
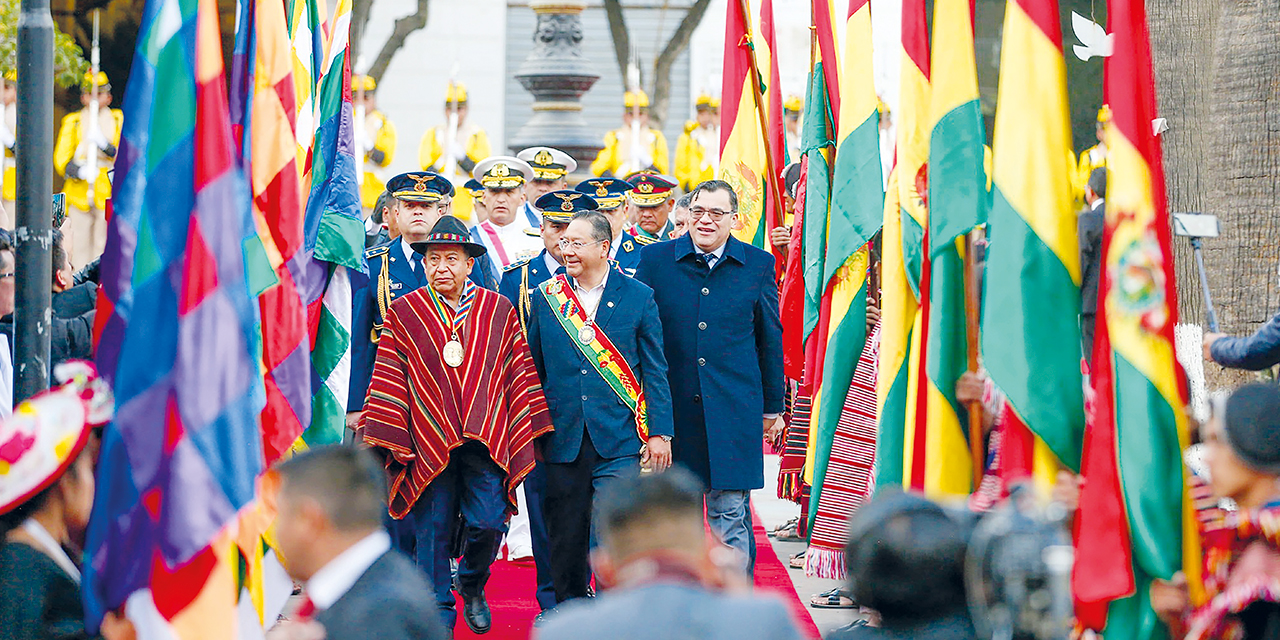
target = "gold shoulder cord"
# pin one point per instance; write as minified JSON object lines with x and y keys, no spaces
{"x":524,"y":298}
{"x":384,"y":293}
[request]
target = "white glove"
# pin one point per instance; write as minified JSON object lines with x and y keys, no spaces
{"x":645,"y":161}
{"x":86,"y":173}
{"x":457,"y":151}
{"x":6,"y":138}
{"x":100,"y":141}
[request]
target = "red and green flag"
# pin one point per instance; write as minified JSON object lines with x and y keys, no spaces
{"x":1135,"y":522}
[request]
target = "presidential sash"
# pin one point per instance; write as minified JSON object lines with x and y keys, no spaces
{"x":599,"y":351}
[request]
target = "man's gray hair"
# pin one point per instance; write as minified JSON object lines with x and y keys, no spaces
{"x":716,"y":185}
{"x":600,"y":229}
{"x":684,"y":201}
{"x":347,"y":482}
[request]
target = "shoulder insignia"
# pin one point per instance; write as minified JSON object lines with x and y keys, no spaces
{"x":517,"y":264}
{"x":627,"y":246}
{"x":645,"y":240}
{"x":374,"y":252}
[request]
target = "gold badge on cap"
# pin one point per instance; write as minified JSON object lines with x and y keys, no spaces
{"x":644,"y":187}
{"x":567,"y":201}
{"x":543,"y":158}
{"x":420,"y":183}
{"x":601,"y":190}
{"x":499,"y":171}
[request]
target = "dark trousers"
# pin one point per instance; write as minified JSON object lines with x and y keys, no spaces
{"x":534,"y":494}
{"x":1088,"y":322}
{"x":472,"y":487}
{"x":570,"y":494}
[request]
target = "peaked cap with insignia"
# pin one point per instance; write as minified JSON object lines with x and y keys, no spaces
{"x":502,"y":172}
{"x":548,"y":163}
{"x":607,"y":192}
{"x":560,"y":206}
{"x":420,"y":186}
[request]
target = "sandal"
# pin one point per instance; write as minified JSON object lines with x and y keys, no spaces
{"x":790,"y":524}
{"x":837,"y":598}
{"x":797,"y":561}
{"x":789,"y":535}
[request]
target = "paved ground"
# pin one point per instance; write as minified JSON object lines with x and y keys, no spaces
{"x":774,"y":512}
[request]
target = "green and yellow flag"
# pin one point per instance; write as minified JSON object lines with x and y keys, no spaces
{"x":958,"y":200}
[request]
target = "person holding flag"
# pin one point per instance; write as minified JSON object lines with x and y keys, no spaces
{"x":377,"y":139}
{"x":454,"y":406}
{"x":84,"y":154}
{"x":597,"y":344}
{"x":635,"y":146}
{"x":453,"y":149}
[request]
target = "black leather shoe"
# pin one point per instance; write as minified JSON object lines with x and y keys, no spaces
{"x":475,"y":609}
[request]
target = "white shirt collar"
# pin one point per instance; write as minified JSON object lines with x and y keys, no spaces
{"x":408,"y":250}
{"x":551,"y":263}
{"x":614,"y":244}
{"x":590,"y":298}
{"x":718,"y":253}
{"x":335,"y":579}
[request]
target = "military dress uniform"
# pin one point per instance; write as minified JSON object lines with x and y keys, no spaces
{"x":510,"y":243}
{"x":1092,"y":158}
{"x":79,"y":142}
{"x":380,"y":145}
{"x":8,"y":160}
{"x":615,"y":158}
{"x":652,"y":192}
{"x":432,"y":154}
{"x":549,"y":165}
{"x":698,"y":148}
{"x":610,"y":194}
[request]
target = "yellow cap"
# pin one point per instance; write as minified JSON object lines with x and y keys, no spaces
{"x":794,"y":104}
{"x":882,"y":107}
{"x":715,"y":103}
{"x":705,"y":101}
{"x":87,"y":85}
{"x":1104,"y":114}
{"x":633,"y":99}
{"x":363,"y":83}
{"x":11,"y":75}
{"x":455,"y":92}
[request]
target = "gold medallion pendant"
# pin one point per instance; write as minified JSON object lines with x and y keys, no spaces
{"x":453,"y":352}
{"x":587,"y":334}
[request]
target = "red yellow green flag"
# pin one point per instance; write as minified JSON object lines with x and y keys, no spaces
{"x":1030,"y":332}
{"x":1135,"y":522}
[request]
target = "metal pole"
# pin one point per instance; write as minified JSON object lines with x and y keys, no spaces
{"x":33,"y":233}
{"x":1196,"y":244}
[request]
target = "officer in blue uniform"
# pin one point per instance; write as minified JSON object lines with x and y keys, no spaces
{"x":610,"y":195}
{"x":519,"y":283}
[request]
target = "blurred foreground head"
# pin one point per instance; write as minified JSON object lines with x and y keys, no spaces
{"x":905,"y":559}
{"x":1242,"y":448}
{"x":654,"y":514}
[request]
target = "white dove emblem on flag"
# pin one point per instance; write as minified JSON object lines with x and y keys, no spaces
{"x":1094,"y":40}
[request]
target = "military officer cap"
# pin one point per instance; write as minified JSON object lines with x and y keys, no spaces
{"x":1104,"y":114}
{"x":363,"y":83}
{"x":547,"y":163}
{"x":502,"y":172}
{"x":635,"y":100}
{"x":560,"y":206}
{"x":706,"y":103}
{"x":11,"y":75}
{"x":473,"y":186}
{"x":793,"y":105}
{"x":420,"y":186}
{"x":607,"y":192}
{"x":104,"y":84}
{"x":651,"y":189}
{"x":450,"y":231}
{"x":455,"y":93}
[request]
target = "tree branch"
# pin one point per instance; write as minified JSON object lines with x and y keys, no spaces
{"x":666,"y":60}
{"x":621,"y":35}
{"x":404,"y":27}
{"x":360,"y":12}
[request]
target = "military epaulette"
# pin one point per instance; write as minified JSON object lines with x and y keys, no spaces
{"x":644,"y":240}
{"x":517,"y":264}
{"x":373,"y":252}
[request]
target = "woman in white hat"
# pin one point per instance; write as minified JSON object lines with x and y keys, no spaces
{"x":47,"y":453}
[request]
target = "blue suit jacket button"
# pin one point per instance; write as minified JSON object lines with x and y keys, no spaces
{"x":706,"y":291}
{"x":702,"y":326}
{"x":702,"y":362}
{"x":584,"y":372}
{"x":584,"y":398}
{"x":697,"y":399}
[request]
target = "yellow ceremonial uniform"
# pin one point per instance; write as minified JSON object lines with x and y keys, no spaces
{"x":87,"y":229}
{"x":615,"y":157}
{"x":431,"y":156}
{"x":382,"y":136}
{"x":10,"y":190}
{"x":697,"y":155}
{"x":1092,"y":158}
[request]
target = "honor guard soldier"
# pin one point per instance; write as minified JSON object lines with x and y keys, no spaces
{"x":375,"y":135}
{"x":551,"y":169}
{"x":85,"y":152}
{"x":8,"y":138}
{"x":1094,"y":157}
{"x":791,"y":108}
{"x":610,"y":195}
{"x":454,"y":148}
{"x":651,"y":202}
{"x":394,"y":270}
{"x":504,"y":233}
{"x":635,"y":145}
{"x":698,"y":148}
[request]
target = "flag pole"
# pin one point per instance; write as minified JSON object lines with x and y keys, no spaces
{"x":972,"y":304}
{"x":770,"y":177}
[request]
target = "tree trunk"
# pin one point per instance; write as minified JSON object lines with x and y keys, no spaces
{"x":1244,"y":162}
{"x":404,"y":26}
{"x":666,"y":60}
{"x":360,"y":12}
{"x":620,"y":34}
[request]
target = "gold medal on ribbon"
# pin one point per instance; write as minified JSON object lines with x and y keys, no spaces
{"x":453,"y":352}
{"x":587,"y":334}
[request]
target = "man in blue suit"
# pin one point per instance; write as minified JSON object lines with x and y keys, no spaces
{"x":520,"y":284}
{"x":719,"y":306}
{"x":597,"y":345}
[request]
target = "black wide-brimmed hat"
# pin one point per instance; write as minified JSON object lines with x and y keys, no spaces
{"x":450,"y":230}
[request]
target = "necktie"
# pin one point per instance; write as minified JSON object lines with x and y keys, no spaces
{"x":418,"y":271}
{"x":710,"y":259}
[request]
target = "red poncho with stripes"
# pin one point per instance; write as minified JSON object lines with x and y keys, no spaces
{"x":419,"y":409}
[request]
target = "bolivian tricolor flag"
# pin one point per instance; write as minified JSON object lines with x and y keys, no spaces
{"x":1030,"y":332}
{"x":743,"y":157}
{"x":1135,"y":521}
{"x":902,"y":259}
{"x":957,"y":188}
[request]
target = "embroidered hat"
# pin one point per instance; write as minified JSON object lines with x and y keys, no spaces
{"x":450,"y":231}
{"x":607,"y":192}
{"x":420,"y":186}
{"x":502,"y":172}
{"x":651,"y":190}
{"x":548,"y":163}
{"x":560,"y":206}
{"x":46,"y":433}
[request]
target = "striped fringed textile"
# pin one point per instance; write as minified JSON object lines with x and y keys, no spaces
{"x":791,"y":467}
{"x":848,"y":483}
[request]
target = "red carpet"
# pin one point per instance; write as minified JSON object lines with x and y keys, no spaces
{"x":510,"y":593}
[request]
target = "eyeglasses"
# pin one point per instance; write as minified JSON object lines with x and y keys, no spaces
{"x":6,"y":275}
{"x":696,"y":213}
{"x":576,"y":245}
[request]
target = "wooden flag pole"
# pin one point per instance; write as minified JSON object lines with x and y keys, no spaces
{"x":972,"y":301}
{"x":771,"y":179}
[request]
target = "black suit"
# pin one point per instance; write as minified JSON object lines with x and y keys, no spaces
{"x":1089,"y":227}
{"x":391,"y":601}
